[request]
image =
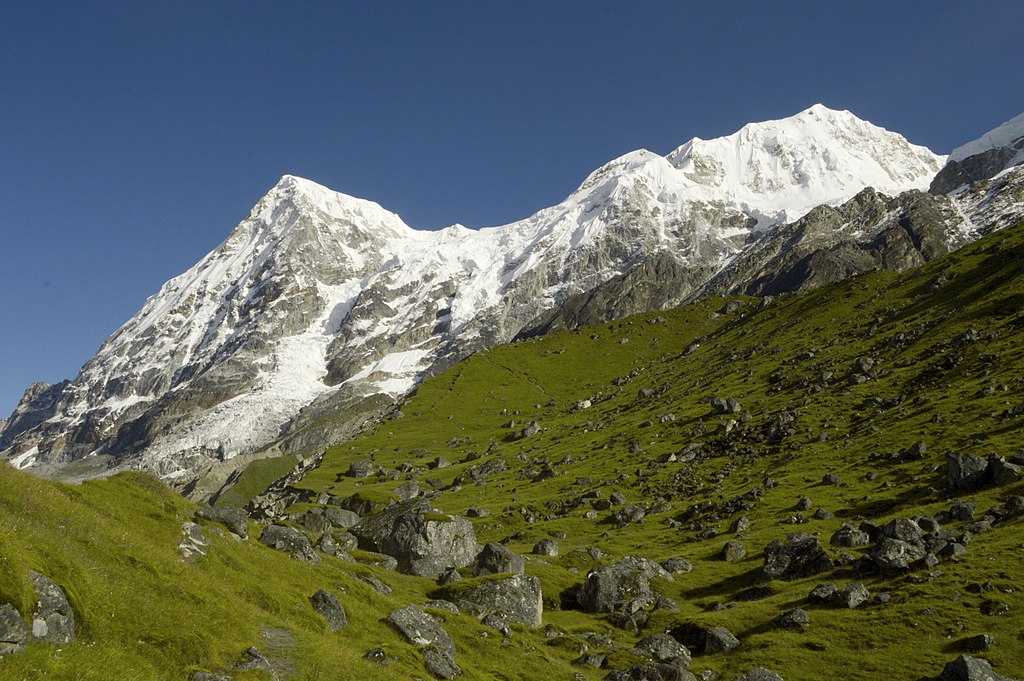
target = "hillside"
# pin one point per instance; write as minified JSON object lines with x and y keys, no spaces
{"x":836,"y":405}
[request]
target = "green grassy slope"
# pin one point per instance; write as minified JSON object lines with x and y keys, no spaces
{"x":148,"y":615}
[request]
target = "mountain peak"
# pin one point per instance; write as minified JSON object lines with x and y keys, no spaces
{"x":1009,"y":134}
{"x":786,"y":166}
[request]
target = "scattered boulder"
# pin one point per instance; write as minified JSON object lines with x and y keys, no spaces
{"x":903,"y":529}
{"x":849,"y":536}
{"x":663,"y":648}
{"x":361,"y":469}
{"x":440,"y":663}
{"x":341,"y":517}
{"x":759,"y":674}
{"x":702,"y":640}
{"x":725,"y":405}
{"x":53,"y":620}
{"x":1002,"y":472}
{"x":290,"y":541}
{"x":610,"y":588}
{"x":235,"y":519}
{"x":967,"y":668}
{"x":965,"y":471}
{"x":546,"y":547}
{"x":852,"y":595}
{"x":896,"y":554}
{"x":449,"y":576}
{"x":328,"y":606}
{"x":795,"y":619}
{"x":422,"y":541}
{"x":517,"y":598}
{"x":741,"y":524}
{"x":193,"y":541}
{"x":977,"y":644}
{"x":733,"y":551}
{"x":376,"y":584}
{"x":253,"y":660}
{"x":823,"y":594}
{"x":799,"y":555}
{"x":962,"y":510}
{"x":13,"y":632}
{"x":531,"y":429}
{"x":421,"y":629}
{"x":495,"y":559}
{"x":675,"y":566}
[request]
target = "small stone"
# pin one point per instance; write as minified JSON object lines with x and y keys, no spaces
{"x":441,"y":663}
{"x":797,"y":619}
{"x":546,"y":547}
{"x":328,"y":606}
{"x":495,"y":559}
{"x":733,"y":551}
{"x":977,"y":644}
{"x":13,"y":632}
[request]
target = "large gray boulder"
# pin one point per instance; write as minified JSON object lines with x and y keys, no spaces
{"x":290,"y":541}
{"x":515,"y":599}
{"x":423,"y":541}
{"x":613,"y":587}
{"x":53,"y":620}
{"x":799,"y":555}
{"x":13,"y":632}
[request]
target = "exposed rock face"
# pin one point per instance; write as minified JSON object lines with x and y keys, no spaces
{"x":53,"y":620}
{"x":319,"y":301}
{"x":516,"y":599}
{"x":423,"y":542}
{"x":869,"y":232}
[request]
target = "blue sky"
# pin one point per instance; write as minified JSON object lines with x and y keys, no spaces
{"x":134,"y":136}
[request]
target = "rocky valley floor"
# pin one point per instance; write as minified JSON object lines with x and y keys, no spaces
{"x":824,"y":485}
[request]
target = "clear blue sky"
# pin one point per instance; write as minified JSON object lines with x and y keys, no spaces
{"x":134,"y":136}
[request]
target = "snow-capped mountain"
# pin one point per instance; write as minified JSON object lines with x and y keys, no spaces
{"x":319,"y":301}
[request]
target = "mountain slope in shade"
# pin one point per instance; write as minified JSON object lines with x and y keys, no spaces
{"x":320,"y":301}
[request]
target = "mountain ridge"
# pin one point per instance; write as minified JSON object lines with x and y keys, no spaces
{"x":321,"y":301}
